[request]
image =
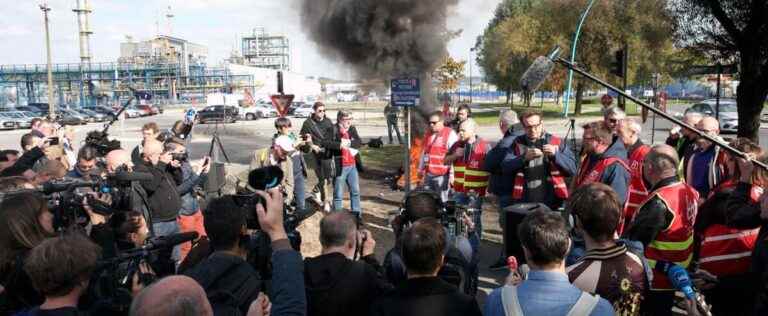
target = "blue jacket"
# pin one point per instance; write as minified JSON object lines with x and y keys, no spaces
{"x":544,"y":293}
{"x":501,"y":181}
{"x":615,"y":176}
{"x":186,"y":189}
{"x":287,"y":294}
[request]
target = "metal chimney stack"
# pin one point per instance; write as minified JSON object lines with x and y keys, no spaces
{"x":83,"y":9}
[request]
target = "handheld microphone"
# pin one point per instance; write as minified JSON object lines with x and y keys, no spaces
{"x":512,"y":263}
{"x":678,"y":277}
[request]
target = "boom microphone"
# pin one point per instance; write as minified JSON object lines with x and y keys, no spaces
{"x":63,"y":186}
{"x":169,"y":241}
{"x":538,"y":72}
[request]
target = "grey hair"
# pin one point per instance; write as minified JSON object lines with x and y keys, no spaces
{"x":614,"y":111}
{"x":342,"y":114}
{"x":508,"y":118}
{"x":469,"y":124}
{"x":633,"y":125}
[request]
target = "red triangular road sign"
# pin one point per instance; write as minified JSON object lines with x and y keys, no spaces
{"x":282,"y":102}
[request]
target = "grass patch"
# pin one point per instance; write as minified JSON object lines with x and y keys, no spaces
{"x":387,"y":158}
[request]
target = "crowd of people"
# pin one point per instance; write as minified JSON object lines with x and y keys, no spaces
{"x":618,"y":227}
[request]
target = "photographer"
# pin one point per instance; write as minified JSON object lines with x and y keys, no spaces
{"x":190,"y":218}
{"x":458,"y":265}
{"x":8,"y":158}
{"x":149,"y":132}
{"x":86,"y":166}
{"x":25,"y":222}
{"x":164,"y":199}
{"x":34,"y":150}
{"x":60,"y":269}
{"x":229,"y":280}
{"x":278,"y":155}
{"x":337,"y":284}
{"x":130,"y":195}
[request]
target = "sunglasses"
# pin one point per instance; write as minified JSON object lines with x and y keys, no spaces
{"x":320,"y":111}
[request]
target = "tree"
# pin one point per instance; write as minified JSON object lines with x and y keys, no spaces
{"x":449,"y":73}
{"x":728,"y":31}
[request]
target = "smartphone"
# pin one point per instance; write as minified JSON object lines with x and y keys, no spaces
{"x":53,"y":141}
{"x":206,"y":161}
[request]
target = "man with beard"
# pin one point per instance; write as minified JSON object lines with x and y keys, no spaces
{"x":318,"y":129}
{"x":605,"y":161}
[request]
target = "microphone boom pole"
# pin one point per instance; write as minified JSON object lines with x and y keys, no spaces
{"x":557,"y":59}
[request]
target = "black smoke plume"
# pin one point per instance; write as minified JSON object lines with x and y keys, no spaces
{"x":381,"y":39}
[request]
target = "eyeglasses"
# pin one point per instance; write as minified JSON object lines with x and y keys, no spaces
{"x":320,"y":111}
{"x":613,"y":121}
{"x":433,"y":122}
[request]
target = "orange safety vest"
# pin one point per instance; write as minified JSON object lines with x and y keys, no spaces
{"x":555,"y":177}
{"x":469,"y":175}
{"x":724,"y":250}
{"x":675,"y":243}
{"x":637,"y":190}
{"x":589,"y":176}
{"x":435,"y":152}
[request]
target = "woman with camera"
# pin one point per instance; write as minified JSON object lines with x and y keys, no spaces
{"x":25,"y":222}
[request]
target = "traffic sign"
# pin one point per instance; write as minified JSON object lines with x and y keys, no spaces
{"x":282,"y":102}
{"x":606,"y":100}
{"x":405,"y":91}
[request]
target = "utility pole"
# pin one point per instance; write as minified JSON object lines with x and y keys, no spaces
{"x":470,"y":74}
{"x":51,"y":112}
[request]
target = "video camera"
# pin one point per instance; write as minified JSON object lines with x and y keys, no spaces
{"x":258,"y":243}
{"x":450,"y":214}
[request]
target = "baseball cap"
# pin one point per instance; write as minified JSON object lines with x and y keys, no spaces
{"x":285,"y":143}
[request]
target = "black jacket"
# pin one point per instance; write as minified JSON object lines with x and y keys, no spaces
{"x":337,"y":285}
{"x":332,"y":146}
{"x":230,"y":283}
{"x":744,"y":214}
{"x":321,"y":132}
{"x":164,"y":199}
{"x":652,"y":218}
{"x":24,"y":163}
{"x":425,"y":297}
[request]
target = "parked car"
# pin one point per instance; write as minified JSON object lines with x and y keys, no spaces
{"x":64,"y":117}
{"x":131,"y":112}
{"x":92,"y":116}
{"x":294,"y":106}
{"x":304,"y":111}
{"x":258,"y":111}
{"x":7,"y":124}
{"x":104,"y":110}
{"x":217,"y":113}
{"x":728,"y":115}
{"x":22,"y":121}
{"x":146,"y":110}
{"x":34,"y":110}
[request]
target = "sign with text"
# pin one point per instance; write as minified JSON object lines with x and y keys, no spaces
{"x":405,"y":92}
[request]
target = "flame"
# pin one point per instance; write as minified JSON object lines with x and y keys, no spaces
{"x":417,"y":145}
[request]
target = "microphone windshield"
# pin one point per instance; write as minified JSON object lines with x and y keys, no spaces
{"x":536,"y":74}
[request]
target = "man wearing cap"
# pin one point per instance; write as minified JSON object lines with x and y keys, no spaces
{"x":277,"y":155}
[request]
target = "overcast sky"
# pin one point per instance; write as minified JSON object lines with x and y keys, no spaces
{"x":218,"y":24}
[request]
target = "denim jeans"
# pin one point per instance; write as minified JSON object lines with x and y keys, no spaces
{"x":439,"y":184}
{"x":349,"y":177}
{"x":299,"y":191}
{"x":165,"y":229}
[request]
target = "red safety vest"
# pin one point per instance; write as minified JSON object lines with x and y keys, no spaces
{"x":675,"y":243}
{"x":725,"y":250}
{"x":435,"y":151}
{"x":589,"y":176}
{"x":555,"y":177}
{"x":637,"y":191}
{"x":469,"y":175}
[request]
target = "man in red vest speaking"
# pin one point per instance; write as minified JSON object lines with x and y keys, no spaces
{"x":437,"y":141}
{"x":664,"y":224}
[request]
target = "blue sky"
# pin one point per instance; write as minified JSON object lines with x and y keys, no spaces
{"x":215,"y":23}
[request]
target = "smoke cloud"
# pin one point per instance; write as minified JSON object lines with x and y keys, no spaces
{"x":381,"y":39}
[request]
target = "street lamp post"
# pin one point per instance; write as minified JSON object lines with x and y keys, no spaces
{"x":573,"y":55}
{"x":51,"y":113}
{"x":470,"y":73}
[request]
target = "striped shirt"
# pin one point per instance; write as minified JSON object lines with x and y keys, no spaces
{"x":614,"y":273}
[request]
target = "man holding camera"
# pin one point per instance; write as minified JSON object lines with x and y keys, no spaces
{"x":278,"y":155}
{"x":164,"y":199}
{"x":338,"y":284}
{"x":190,"y":217}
